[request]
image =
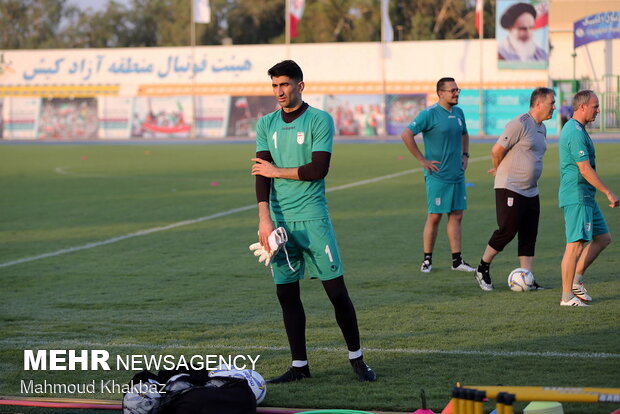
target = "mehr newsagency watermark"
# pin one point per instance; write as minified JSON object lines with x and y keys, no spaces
{"x":99,"y":360}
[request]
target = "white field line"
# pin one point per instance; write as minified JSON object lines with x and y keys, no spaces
{"x":200,"y":219}
{"x":63,"y":171}
{"x":67,"y":173}
{"x":242,"y":348}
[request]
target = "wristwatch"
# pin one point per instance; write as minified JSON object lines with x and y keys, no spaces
{"x":466,"y":154}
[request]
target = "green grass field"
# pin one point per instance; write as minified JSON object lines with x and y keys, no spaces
{"x":194,"y":288}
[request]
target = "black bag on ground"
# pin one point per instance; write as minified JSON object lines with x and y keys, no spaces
{"x":219,"y":395}
{"x":189,"y":392}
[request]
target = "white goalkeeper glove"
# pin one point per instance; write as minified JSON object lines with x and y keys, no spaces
{"x":276,"y":239}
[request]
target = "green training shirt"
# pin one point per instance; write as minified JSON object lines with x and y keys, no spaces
{"x":443,"y":140}
{"x":575,"y":146}
{"x":291,"y":145}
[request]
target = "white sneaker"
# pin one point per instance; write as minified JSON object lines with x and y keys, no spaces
{"x":487,"y":287}
{"x":580,"y":291}
{"x":464,"y":267}
{"x":426,"y":267}
{"x":573,"y":302}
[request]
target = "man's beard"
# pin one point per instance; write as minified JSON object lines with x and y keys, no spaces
{"x":525,"y":50}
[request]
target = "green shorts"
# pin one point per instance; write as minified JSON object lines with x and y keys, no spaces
{"x":445,"y":197}
{"x":583,"y":222}
{"x":311,"y":245}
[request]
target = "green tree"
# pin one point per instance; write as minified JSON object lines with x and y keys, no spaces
{"x":435,"y":20}
{"x":340,"y":21}
{"x":30,"y":24}
{"x":107,"y":28}
{"x":34,"y":24}
{"x":255,"y":22}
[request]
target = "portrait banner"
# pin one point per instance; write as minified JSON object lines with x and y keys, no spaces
{"x":522,"y":34}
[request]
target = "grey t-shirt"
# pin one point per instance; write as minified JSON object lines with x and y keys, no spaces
{"x":522,"y":165}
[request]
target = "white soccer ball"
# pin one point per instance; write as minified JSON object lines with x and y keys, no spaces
{"x":520,"y":280}
{"x":142,"y":398}
{"x":257,"y":383}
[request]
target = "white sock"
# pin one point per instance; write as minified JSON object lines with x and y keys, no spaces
{"x":355,"y":354}
{"x":299,"y":364}
{"x":578,"y":279}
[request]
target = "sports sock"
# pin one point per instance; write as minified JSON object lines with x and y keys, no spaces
{"x":456,"y":259}
{"x":299,"y":364}
{"x":578,"y":279}
{"x":355,"y":354}
{"x":429,"y":257}
{"x":359,"y":358}
{"x":483,"y":266}
{"x":566,"y":296}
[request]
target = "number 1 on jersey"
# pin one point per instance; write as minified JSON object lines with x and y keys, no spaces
{"x":275,"y":139}
{"x":329,"y":253}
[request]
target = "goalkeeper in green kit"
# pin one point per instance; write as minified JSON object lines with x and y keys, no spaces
{"x":293,"y":151}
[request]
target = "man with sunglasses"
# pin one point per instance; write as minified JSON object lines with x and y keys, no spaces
{"x":446,"y":146}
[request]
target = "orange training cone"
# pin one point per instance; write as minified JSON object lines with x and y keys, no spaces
{"x":447,"y":409}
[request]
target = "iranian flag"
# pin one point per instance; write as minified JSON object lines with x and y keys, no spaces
{"x":542,"y":14}
{"x":479,"y":4}
{"x":296,"y":11}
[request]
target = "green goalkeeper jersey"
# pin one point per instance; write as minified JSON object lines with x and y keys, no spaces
{"x":291,"y":145}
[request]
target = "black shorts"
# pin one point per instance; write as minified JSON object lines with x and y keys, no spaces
{"x":516,"y":214}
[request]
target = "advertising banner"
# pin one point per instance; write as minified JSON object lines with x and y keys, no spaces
{"x":356,"y":114}
{"x":114,"y":117}
{"x":469,"y":102}
{"x":245,"y":112}
{"x":162,"y":117}
{"x":522,"y":34}
{"x":503,"y":105}
{"x":600,"y":26}
{"x":212,"y":116}
{"x":401,"y":110}
{"x":19,"y":117}
{"x":66,"y":118}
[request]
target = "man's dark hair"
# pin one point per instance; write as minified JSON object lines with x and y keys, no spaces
{"x":540,"y":93}
{"x":287,"y":68}
{"x":441,"y":82}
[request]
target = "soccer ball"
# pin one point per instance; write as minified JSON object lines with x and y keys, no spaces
{"x":257,"y":383}
{"x":520,"y":280}
{"x":142,"y":398}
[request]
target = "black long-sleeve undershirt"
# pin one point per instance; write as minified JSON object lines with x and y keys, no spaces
{"x":314,"y":170}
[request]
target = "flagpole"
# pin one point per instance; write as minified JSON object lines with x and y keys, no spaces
{"x":193,"y":46}
{"x":383,"y":47}
{"x":287,"y":26}
{"x":481,"y":86}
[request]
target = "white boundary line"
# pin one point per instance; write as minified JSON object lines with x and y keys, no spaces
{"x":200,"y":219}
{"x":407,"y":351}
